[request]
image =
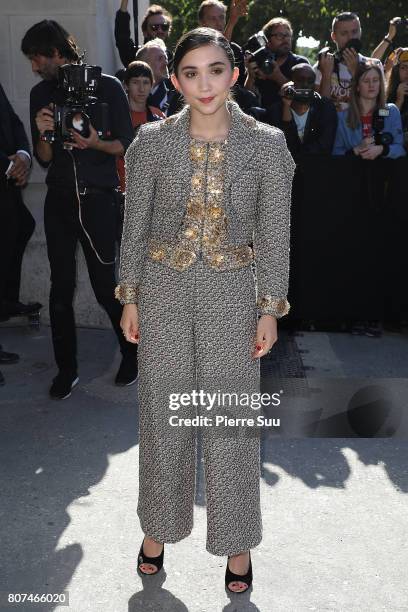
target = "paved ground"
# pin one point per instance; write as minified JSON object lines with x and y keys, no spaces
{"x":334,"y":509}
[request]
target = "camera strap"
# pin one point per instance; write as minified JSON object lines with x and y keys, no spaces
{"x":80,"y":193}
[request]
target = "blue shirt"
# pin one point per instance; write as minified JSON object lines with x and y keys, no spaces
{"x":346,"y":138}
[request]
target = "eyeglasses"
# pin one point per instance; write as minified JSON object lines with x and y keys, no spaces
{"x":160,"y":26}
{"x":281,"y":36}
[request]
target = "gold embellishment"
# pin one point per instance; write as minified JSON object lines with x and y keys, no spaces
{"x":197,"y":152}
{"x":126,"y":294}
{"x":158,"y":254}
{"x":197,"y":180}
{"x":216,"y":154}
{"x":230,"y":258}
{"x":191,"y":233}
{"x":182,"y":258}
{"x":276,"y":307}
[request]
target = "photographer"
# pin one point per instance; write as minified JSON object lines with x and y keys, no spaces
{"x":278,"y":34}
{"x":397,"y":90}
{"x":308,"y":121}
{"x":81,"y":199}
{"x":335,"y":71}
{"x":369,"y":128}
{"x":156,"y":23}
{"x":154,"y":54}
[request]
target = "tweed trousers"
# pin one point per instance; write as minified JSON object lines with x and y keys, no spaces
{"x":197,"y":329}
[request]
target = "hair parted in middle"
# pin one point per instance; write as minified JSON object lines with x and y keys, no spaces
{"x":354,"y":112}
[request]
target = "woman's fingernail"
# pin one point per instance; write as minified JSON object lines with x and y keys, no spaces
{"x":258,"y":347}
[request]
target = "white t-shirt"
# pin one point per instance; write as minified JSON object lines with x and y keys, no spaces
{"x":300,"y":121}
{"x":340,"y":84}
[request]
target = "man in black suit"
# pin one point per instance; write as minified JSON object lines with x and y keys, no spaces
{"x":16,"y":222}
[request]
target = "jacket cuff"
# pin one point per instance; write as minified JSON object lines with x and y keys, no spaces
{"x":126,"y":294}
{"x":277,"y":307}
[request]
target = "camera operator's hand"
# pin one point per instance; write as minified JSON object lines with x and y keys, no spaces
{"x":92,"y":142}
{"x":371,"y":152}
{"x":350,"y":57}
{"x":402,"y":91}
{"x":282,"y":92}
{"x":326,"y":64}
{"x":44,"y":120}
{"x":20,"y":170}
{"x":392,"y":28}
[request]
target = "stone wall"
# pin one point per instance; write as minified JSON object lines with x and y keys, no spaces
{"x":92,"y":24}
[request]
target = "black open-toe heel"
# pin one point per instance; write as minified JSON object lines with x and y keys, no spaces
{"x":231,"y":577}
{"x":156,"y":561}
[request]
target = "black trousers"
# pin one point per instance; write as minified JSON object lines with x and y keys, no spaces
{"x":25,"y":226}
{"x":63,"y":230}
{"x":16,"y":228}
{"x":8,"y":233}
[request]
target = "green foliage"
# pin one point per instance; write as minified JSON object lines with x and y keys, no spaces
{"x":310,"y":17}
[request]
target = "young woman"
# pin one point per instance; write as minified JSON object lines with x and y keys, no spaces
{"x":138,"y":81}
{"x":397,"y":90}
{"x":208,"y":190}
{"x":356,"y":125}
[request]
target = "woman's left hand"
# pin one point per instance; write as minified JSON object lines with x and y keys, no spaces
{"x":371,"y":152}
{"x":266,"y":336}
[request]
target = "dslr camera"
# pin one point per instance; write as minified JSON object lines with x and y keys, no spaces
{"x":77,"y":86}
{"x":381,"y":137}
{"x":353,"y":43}
{"x":260,"y":52}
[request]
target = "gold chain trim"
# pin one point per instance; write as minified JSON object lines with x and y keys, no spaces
{"x":276,"y":307}
{"x":126,"y":294}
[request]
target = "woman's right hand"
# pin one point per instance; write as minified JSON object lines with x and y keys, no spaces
{"x":130,"y":323}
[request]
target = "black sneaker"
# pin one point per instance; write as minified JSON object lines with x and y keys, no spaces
{"x":127,"y":373}
{"x":62,"y":385}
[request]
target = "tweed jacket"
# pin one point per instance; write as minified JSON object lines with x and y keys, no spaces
{"x":252,"y":215}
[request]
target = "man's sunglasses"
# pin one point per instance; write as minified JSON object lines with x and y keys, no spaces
{"x":160,"y":26}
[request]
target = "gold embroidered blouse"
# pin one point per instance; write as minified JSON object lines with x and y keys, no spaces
{"x":203,"y":232}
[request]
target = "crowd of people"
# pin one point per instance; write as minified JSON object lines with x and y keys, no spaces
{"x":347,"y":104}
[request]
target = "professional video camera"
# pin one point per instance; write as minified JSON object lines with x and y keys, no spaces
{"x":77,"y":85}
{"x":307,"y":96}
{"x":260,"y":52}
{"x":381,"y":137}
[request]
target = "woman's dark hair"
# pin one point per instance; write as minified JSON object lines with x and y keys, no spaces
{"x":200,"y":37}
{"x":137,"y":69}
{"x":393,"y":82}
{"x":46,"y":36}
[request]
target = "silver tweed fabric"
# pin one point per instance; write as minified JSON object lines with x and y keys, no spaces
{"x":257,"y":189}
{"x":198,"y":319}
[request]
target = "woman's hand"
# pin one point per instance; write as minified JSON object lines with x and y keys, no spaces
{"x":130,"y":323}
{"x":266,"y":336}
{"x":402,"y":91}
{"x":371,"y":152}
